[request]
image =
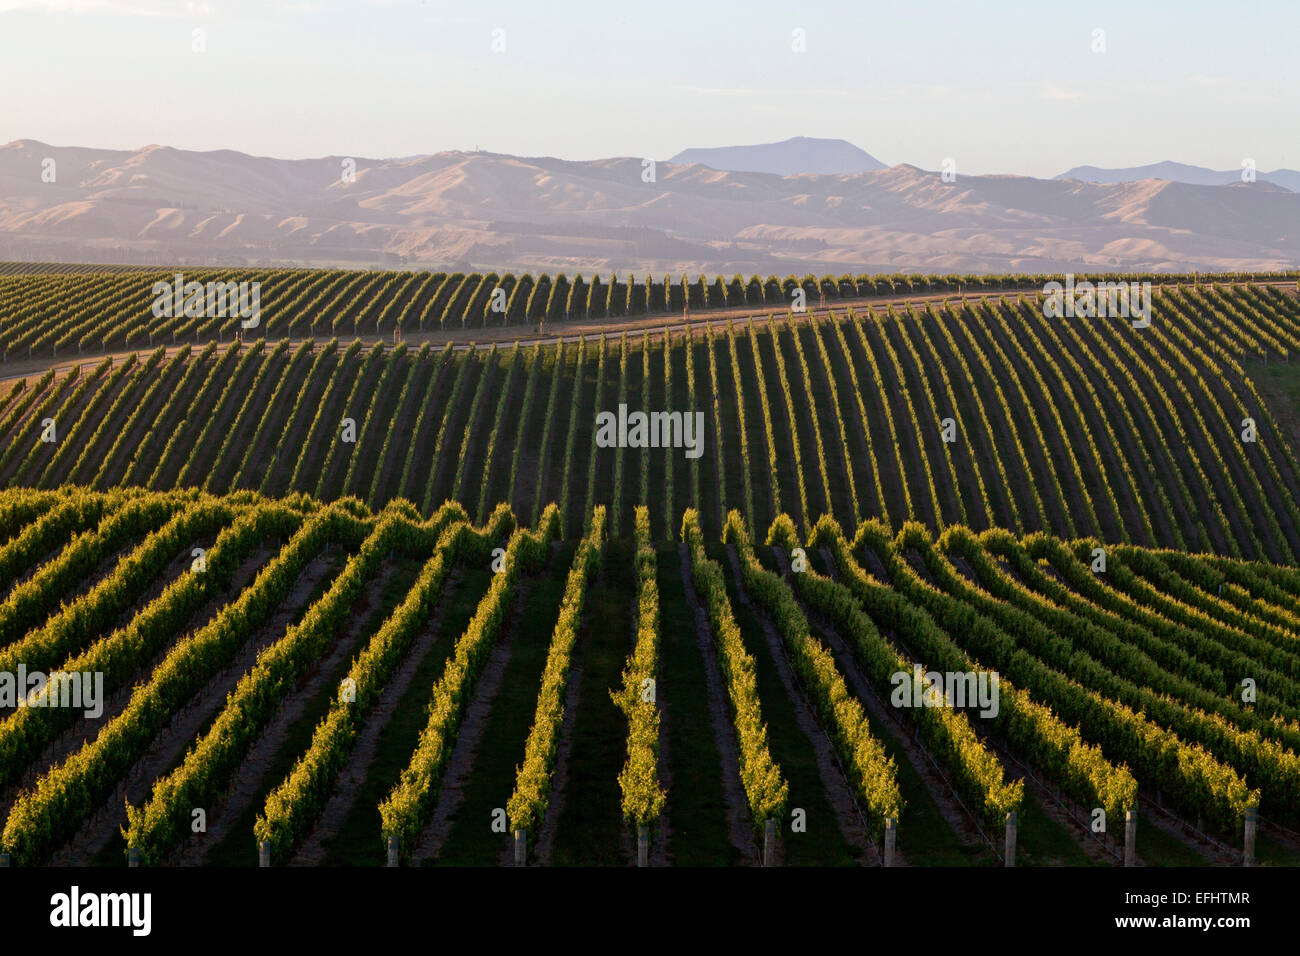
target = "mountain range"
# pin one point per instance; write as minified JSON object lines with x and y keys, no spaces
{"x":487,"y":210}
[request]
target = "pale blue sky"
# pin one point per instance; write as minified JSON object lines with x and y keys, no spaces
{"x":1010,"y":86}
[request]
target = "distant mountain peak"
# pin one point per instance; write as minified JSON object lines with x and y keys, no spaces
{"x":792,"y":157}
{"x":1181,"y":173}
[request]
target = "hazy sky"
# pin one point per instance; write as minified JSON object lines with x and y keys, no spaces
{"x":1012,"y":86}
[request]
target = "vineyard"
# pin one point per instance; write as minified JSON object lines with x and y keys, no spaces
{"x":293,"y":682}
{"x":984,"y":414}
{"x":884,"y":583}
{"x":64,"y":268}
{"x":62,"y":310}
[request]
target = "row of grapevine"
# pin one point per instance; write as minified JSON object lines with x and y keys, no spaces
{"x":590,"y":502}
{"x":765,"y":789}
{"x":548,"y":427}
{"x":639,"y":781}
{"x":620,"y":453}
{"x":527,"y":804}
{"x":742,"y":432}
{"x":571,"y":433}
